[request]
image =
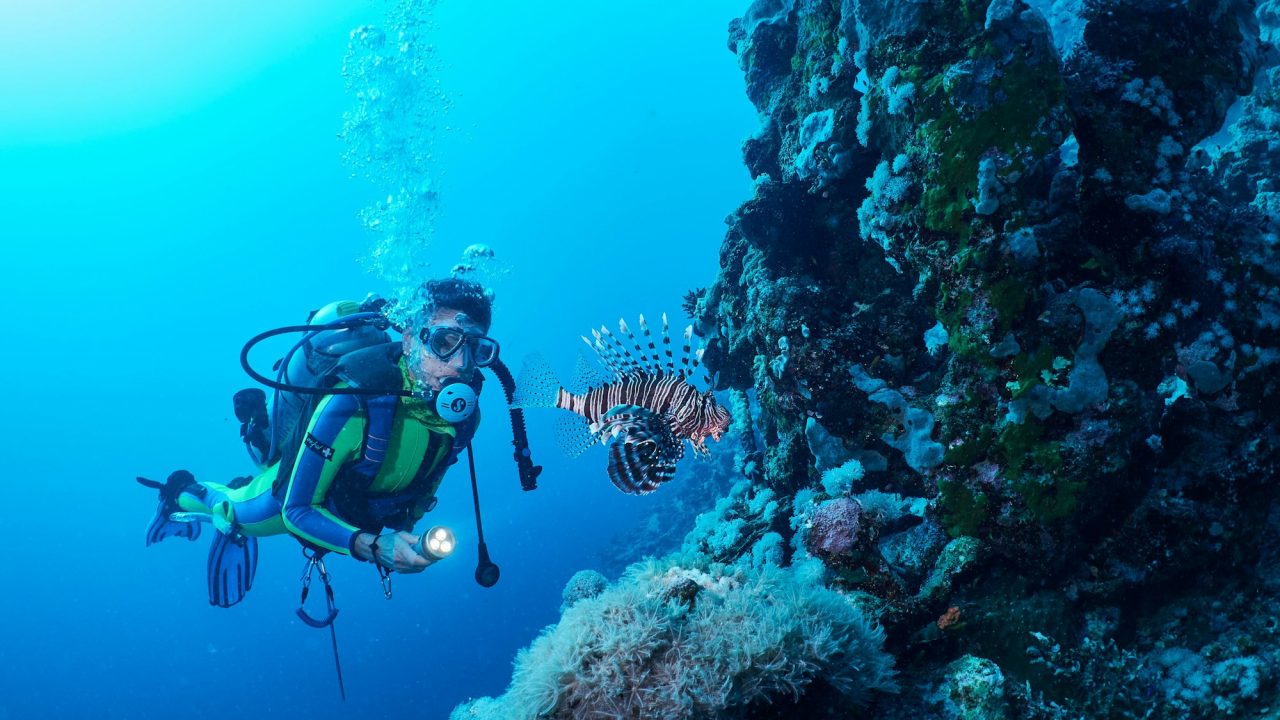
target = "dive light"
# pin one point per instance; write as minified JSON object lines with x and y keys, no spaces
{"x":435,"y":544}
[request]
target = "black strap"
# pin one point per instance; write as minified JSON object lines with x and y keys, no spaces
{"x":315,"y":561}
{"x":384,"y":574}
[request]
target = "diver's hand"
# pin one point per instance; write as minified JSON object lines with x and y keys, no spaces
{"x":395,"y":551}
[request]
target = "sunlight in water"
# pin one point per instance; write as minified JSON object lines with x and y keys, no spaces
{"x":76,"y":69}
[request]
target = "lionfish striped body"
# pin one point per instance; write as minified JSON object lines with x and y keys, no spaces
{"x":643,"y":411}
{"x":691,"y":414}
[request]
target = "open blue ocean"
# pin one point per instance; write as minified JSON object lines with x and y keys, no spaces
{"x":174,"y":182}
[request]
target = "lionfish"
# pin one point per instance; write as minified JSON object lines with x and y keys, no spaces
{"x":641,"y":407}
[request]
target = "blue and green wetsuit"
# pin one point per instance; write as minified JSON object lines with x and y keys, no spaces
{"x":364,"y":464}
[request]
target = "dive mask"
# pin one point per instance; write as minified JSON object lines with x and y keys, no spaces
{"x":445,"y":341}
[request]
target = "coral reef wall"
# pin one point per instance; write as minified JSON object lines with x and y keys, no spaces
{"x":999,"y":330}
{"x":989,"y":263}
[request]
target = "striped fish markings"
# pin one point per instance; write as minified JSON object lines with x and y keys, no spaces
{"x":643,"y":407}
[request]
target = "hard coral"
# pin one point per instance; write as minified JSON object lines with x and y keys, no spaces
{"x":584,"y":584}
{"x":837,"y":532}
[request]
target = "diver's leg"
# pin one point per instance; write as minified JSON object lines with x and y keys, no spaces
{"x":254,"y":510}
{"x":244,"y":504}
{"x":197,"y":499}
{"x":239,"y":511}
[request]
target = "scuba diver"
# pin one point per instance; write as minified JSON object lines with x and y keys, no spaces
{"x":360,"y":432}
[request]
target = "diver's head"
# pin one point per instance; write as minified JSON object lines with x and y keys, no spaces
{"x":448,"y":337}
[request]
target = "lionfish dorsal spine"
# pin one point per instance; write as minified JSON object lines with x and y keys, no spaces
{"x":604,"y":359}
{"x":685,"y":370}
{"x":697,"y":359}
{"x":654,"y":364}
{"x":608,"y":356}
{"x":666,"y":345}
{"x":627,"y":363}
{"x":622,"y":326}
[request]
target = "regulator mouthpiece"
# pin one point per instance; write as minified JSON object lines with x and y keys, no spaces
{"x":437,"y":543}
{"x":456,"y":401}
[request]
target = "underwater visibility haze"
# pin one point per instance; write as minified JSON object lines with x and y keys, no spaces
{"x":930,"y":358}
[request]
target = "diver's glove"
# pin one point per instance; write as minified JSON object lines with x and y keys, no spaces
{"x":391,"y":551}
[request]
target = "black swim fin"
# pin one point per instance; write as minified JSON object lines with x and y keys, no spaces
{"x":161,"y":526}
{"x":250,"y":406}
{"x":233,"y":559}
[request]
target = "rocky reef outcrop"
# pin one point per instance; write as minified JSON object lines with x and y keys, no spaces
{"x":999,"y":329}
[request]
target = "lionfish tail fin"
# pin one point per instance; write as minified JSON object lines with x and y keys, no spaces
{"x":538,"y":386}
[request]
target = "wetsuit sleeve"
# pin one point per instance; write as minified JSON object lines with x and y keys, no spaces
{"x":333,"y":437}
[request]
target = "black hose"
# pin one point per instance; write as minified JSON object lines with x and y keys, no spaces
{"x":487,"y":572}
{"x":519,"y":438}
{"x":346,"y":322}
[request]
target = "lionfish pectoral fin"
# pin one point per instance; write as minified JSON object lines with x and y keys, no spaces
{"x":630,"y":410}
{"x":638,"y":468}
{"x":700,"y":447}
{"x":629,"y":419}
{"x":574,"y":434}
{"x":643,"y":452}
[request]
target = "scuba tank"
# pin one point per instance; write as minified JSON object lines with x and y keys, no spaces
{"x":309,"y":364}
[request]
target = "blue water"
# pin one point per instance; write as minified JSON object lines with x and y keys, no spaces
{"x":173,"y":183}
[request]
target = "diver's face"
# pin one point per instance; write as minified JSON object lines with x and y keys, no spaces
{"x":426,"y":368}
